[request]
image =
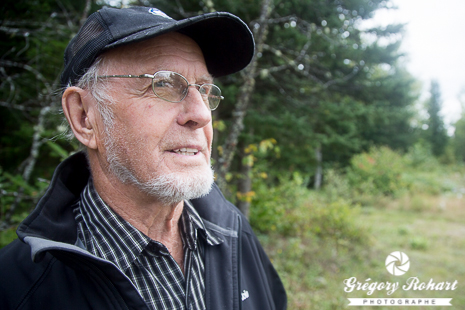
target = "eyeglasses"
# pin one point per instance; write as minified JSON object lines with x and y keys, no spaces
{"x":173,"y":87}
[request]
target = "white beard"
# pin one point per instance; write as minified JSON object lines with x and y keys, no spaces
{"x":167,"y":188}
{"x":172,"y":188}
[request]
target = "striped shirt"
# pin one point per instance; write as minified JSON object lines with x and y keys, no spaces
{"x":147,"y":263}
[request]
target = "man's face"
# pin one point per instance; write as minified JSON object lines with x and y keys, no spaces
{"x":161,"y":147}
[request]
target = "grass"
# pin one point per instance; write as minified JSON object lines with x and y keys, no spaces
{"x":429,"y":229}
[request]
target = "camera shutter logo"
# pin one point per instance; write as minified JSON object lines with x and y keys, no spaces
{"x":397,"y":263}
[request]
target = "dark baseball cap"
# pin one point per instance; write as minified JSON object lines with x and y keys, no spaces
{"x":225,"y":40}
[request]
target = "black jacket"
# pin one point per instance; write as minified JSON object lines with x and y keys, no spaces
{"x":47,"y":269}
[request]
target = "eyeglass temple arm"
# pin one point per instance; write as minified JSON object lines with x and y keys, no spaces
{"x":150,"y":76}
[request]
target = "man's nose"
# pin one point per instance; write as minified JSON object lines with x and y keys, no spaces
{"x":195,"y":109}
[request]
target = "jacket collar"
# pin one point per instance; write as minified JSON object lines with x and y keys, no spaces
{"x":53,"y":217}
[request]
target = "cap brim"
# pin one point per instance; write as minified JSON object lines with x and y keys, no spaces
{"x":226,"y":41}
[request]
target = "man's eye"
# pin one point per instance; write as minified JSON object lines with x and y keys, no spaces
{"x":205,"y":89}
{"x":165,"y":83}
{"x":162,"y":83}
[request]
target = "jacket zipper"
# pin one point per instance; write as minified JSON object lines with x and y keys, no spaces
{"x":239,"y":259}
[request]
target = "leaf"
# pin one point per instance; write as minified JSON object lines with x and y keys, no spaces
{"x":18,"y":180}
{"x":57,"y":149}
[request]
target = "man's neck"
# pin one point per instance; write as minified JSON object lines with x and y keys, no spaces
{"x":155,"y":219}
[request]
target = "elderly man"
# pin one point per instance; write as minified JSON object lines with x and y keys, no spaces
{"x":136,"y":222}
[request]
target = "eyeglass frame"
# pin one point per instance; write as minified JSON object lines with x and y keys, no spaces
{"x":152,"y":76}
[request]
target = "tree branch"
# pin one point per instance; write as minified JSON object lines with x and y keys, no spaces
{"x":85,"y":13}
{"x":30,"y":162}
{"x":37,"y":73}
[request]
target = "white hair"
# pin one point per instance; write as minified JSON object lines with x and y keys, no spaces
{"x":99,"y":90}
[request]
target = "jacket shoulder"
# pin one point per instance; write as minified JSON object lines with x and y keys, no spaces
{"x":216,"y":209}
{"x":19,"y":275}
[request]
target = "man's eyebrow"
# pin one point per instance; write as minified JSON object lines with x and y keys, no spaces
{"x":207,"y":78}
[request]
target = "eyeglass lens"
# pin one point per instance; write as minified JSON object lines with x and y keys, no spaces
{"x":172,"y":86}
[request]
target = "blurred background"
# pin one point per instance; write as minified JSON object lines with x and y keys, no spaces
{"x":343,"y":141}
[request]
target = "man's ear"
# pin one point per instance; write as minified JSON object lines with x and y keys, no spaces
{"x":78,"y":107}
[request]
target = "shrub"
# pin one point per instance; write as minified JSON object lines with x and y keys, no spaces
{"x":336,"y":186}
{"x":378,"y":172}
{"x":419,"y":243}
{"x":271,"y":205}
{"x":336,"y":221}
{"x":383,"y":172}
{"x":12,"y":209}
{"x":290,"y":209}
{"x":420,"y":156}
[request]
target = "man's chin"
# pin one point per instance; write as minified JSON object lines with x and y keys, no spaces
{"x":175,"y":187}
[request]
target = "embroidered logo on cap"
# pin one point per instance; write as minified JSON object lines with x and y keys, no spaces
{"x":157,"y":12}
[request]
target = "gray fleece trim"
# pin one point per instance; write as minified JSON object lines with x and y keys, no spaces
{"x":224,"y":231}
{"x":40,"y":245}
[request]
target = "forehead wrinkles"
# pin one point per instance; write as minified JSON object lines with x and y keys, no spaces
{"x":154,"y":52}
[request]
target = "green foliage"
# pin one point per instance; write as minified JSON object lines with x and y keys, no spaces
{"x":420,"y":155}
{"x":12,"y":186}
{"x":378,"y":172}
{"x":417,"y":204}
{"x":459,"y":139}
{"x":272,"y":204}
{"x":343,"y":94}
{"x":17,"y":198}
{"x":312,"y":270}
{"x":336,"y":221}
{"x":419,"y":243}
{"x":382,"y":172}
{"x":290,"y":209}
{"x":336,"y":94}
{"x":57,"y":150}
{"x":7,"y":236}
{"x":33,"y":37}
{"x":321,"y":83}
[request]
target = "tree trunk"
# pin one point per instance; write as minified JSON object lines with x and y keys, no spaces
{"x":245,"y":92}
{"x":319,"y":168}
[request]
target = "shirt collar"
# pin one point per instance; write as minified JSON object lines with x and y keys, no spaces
{"x":210,"y":236}
{"x":107,"y":226}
